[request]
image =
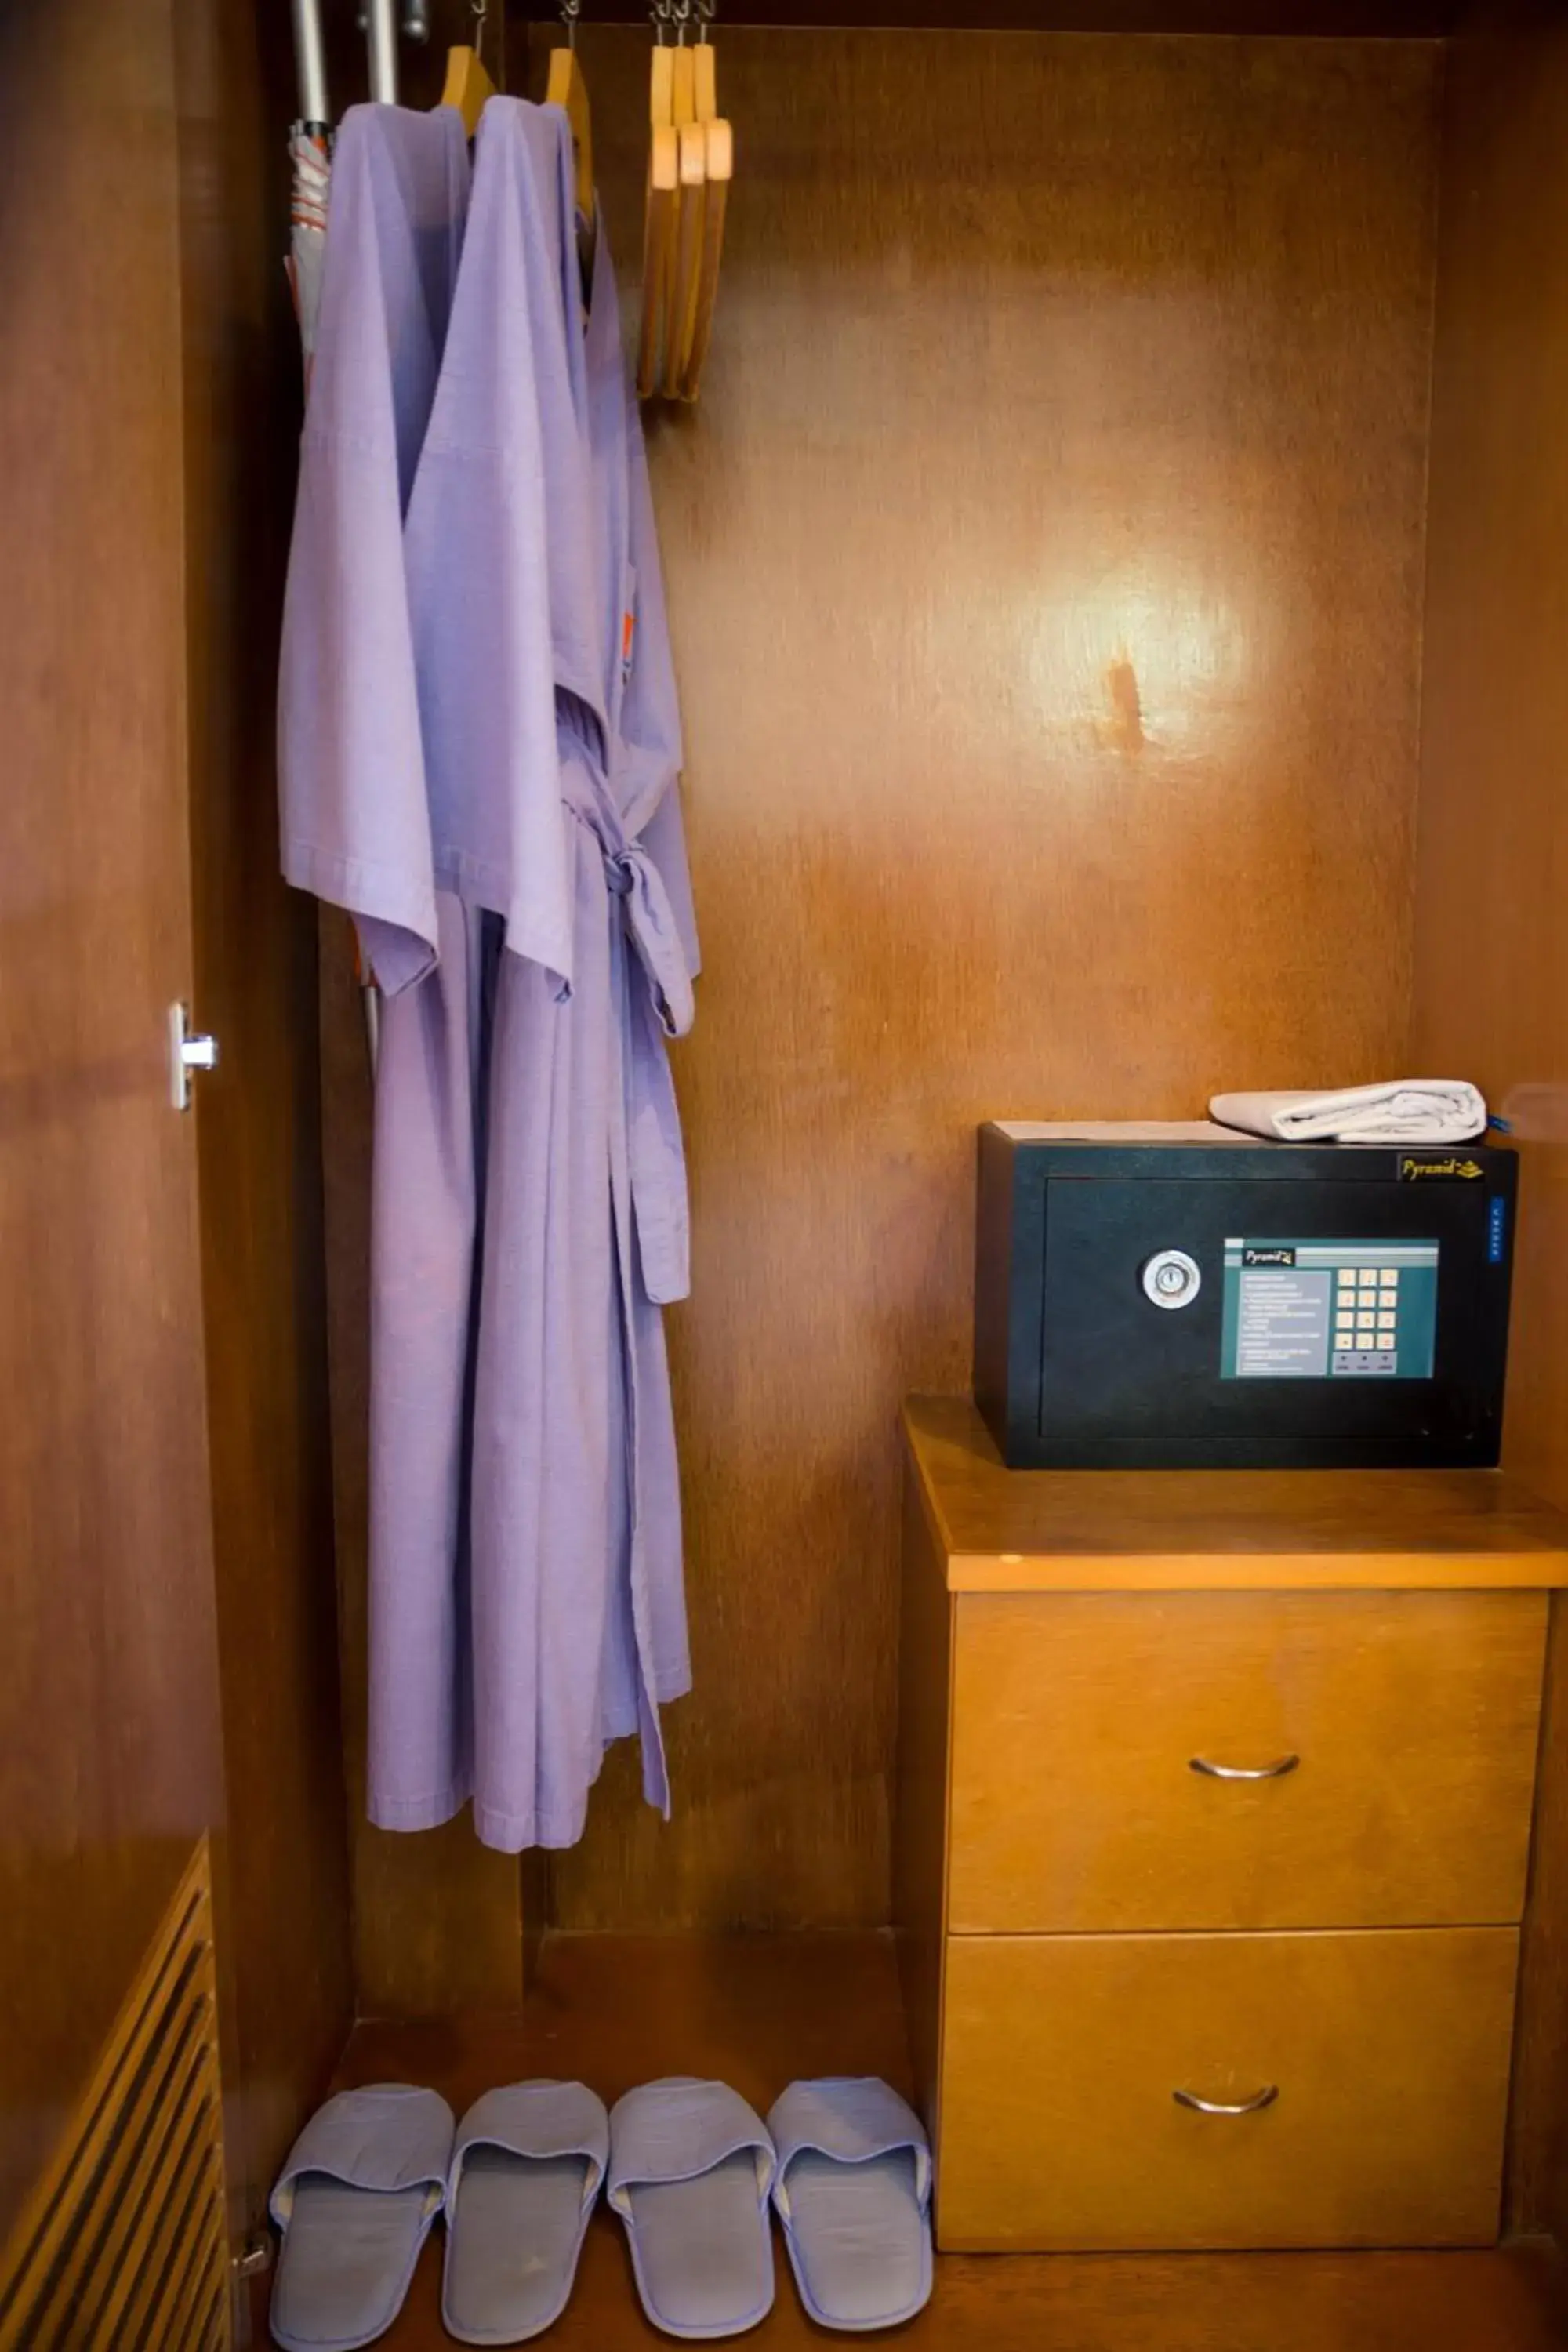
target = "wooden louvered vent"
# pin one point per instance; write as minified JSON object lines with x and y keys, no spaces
{"x":123,"y":2246}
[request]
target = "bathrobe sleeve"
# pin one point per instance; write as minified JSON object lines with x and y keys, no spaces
{"x":355,"y":827}
{"x":477,"y":554}
{"x":650,"y":711}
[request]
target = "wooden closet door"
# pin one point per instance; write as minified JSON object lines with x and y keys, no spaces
{"x":110,"y":1763}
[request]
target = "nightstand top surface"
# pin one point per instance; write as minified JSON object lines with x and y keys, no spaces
{"x":1171,"y":1530}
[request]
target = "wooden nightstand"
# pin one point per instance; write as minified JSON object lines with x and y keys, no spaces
{"x":1214,"y":1795}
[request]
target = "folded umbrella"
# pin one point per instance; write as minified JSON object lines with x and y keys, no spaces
{"x":312,"y":179}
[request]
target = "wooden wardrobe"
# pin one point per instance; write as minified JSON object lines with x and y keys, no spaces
{"x":1119,"y":575}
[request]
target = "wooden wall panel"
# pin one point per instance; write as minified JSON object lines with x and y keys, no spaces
{"x":111,"y":1764}
{"x":1491,"y":973}
{"x":283,"y":1878}
{"x":1045,"y":565}
{"x":1417,"y":19}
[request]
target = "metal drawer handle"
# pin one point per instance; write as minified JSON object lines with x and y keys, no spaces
{"x":1255,"y":2106}
{"x":1240,"y":1772}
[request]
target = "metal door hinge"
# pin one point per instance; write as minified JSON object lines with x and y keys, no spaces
{"x":254,"y":2257}
{"x":186,"y":1054}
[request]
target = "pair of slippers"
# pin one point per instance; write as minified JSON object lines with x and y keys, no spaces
{"x":690,"y":2168}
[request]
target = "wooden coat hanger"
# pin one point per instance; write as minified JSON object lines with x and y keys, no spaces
{"x":663,"y":184}
{"x":467,"y":84}
{"x":719,"y":169}
{"x":680,"y":291}
{"x":569,"y":90}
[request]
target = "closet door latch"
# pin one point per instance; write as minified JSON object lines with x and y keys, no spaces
{"x":187,"y":1053}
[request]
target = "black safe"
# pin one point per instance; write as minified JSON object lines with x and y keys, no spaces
{"x":1183,"y":1297}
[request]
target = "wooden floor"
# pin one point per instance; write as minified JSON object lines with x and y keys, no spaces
{"x":756,"y":2012}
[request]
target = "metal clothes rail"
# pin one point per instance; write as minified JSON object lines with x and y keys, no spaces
{"x":380,"y":45}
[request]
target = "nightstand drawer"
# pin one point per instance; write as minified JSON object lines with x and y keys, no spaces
{"x":1387,"y":2056}
{"x":1369,"y":1759}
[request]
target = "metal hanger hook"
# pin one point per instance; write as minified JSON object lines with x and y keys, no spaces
{"x":706,"y":12}
{"x":682,"y":19}
{"x":662,"y":13}
{"x":478,"y":8}
{"x":570,"y":12}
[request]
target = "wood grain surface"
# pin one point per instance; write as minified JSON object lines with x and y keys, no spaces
{"x":124,"y":2239}
{"x":922,"y":1804}
{"x":1413,"y":1718}
{"x":1420,"y":19}
{"x":1153,"y":1530}
{"x":283,"y":1858}
{"x":1491,"y":973}
{"x":758,"y":2010}
{"x":110,"y":1763}
{"x":1045,"y":563}
{"x":1389,"y":2055}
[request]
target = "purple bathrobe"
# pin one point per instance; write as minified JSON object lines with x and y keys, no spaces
{"x":526,"y":1588}
{"x":356,"y":831}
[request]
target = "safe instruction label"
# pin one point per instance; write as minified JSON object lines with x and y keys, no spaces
{"x":1329,"y":1311}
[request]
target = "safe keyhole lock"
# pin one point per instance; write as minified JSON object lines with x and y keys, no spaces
{"x":1172,"y":1278}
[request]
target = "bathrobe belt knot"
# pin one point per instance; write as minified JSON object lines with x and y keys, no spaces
{"x":656,"y":1160}
{"x":649,"y":921}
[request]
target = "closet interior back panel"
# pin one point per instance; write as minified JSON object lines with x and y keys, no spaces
{"x":1045,"y":562}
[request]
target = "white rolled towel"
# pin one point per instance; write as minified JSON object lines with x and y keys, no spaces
{"x":1406,"y":1111}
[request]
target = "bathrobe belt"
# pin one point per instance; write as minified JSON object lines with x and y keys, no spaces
{"x":655,"y":1160}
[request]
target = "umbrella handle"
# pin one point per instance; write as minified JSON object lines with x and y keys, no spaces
{"x":370,"y":999}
